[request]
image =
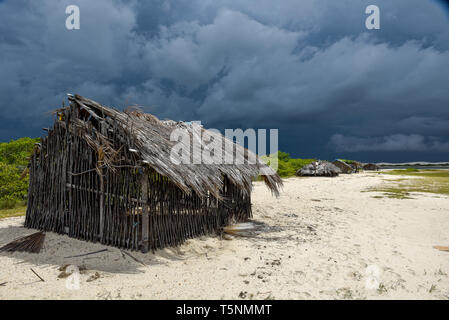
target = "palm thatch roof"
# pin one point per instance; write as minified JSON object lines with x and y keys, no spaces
{"x":319,"y":168}
{"x":356,"y":166}
{"x":343,"y":166}
{"x":370,"y":166}
{"x":149,"y":139}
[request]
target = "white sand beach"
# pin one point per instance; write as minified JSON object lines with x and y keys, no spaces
{"x":318,"y":241}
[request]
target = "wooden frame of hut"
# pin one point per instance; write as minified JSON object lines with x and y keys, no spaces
{"x":105,"y":175}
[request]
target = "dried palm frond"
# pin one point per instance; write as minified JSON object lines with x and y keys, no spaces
{"x":32,"y":243}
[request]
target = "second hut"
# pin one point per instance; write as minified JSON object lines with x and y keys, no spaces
{"x":319,"y":168}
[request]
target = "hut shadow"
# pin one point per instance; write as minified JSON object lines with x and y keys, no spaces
{"x":58,"y":251}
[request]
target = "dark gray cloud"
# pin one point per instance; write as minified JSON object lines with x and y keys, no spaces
{"x":395,"y":142}
{"x":309,"y":68}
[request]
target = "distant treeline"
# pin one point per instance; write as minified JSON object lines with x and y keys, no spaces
{"x":13,"y":161}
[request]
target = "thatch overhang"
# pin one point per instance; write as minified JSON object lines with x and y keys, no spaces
{"x":149,"y":139}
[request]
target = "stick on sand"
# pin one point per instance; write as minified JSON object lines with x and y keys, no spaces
{"x":37,"y":275}
{"x":132,"y":257}
{"x":86,"y":254}
{"x":442,"y":248}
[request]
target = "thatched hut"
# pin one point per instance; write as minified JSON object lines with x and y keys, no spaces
{"x":356,"y":166}
{"x":371,"y":167}
{"x":109,"y":176}
{"x":319,"y":168}
{"x":343,"y":166}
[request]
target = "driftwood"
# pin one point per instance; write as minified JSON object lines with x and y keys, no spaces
{"x":245,"y":229}
{"x":106,"y":176}
{"x":132,"y":257}
{"x":37,"y":275}
{"x":86,"y":254}
{"x":442,"y":248}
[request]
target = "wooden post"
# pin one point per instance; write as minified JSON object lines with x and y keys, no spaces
{"x":101,"y":205}
{"x":100,"y":164}
{"x":145,"y":212}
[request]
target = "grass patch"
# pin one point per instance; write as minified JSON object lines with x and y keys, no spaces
{"x":394,"y":193}
{"x":419,"y":173}
{"x":15,"y":212}
{"x":11,"y":203}
{"x":429,"y":181}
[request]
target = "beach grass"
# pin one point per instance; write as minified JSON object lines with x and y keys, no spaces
{"x":425,"y":181}
{"x":15,"y":212}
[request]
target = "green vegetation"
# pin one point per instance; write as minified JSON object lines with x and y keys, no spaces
{"x":13,"y":161}
{"x":427,"y":181}
{"x":419,"y":173}
{"x":348,"y":161}
{"x":287,"y":166}
{"x":405,"y":171}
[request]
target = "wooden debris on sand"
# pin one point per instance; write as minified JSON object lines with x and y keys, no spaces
{"x":132,"y":257}
{"x":86,"y":254}
{"x":442,"y":248}
{"x":244,"y":229}
{"x":42,"y":279}
{"x":94,"y":277}
{"x":68,"y":269}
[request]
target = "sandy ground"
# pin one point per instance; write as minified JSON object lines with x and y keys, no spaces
{"x":322,"y":239}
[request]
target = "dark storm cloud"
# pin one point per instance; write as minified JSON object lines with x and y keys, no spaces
{"x":395,"y":142}
{"x":309,"y":68}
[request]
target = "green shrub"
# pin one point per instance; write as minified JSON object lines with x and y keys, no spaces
{"x":347,"y":161}
{"x":287,"y":166}
{"x":13,"y":160}
{"x":16,"y":152}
